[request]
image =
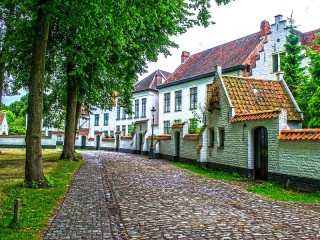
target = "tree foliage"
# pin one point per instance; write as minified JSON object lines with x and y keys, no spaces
{"x":294,"y":73}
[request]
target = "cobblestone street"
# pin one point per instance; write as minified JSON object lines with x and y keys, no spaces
{"x":124,"y":196}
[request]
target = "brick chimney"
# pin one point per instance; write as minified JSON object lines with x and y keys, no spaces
{"x":184,"y":56}
{"x":265,"y":28}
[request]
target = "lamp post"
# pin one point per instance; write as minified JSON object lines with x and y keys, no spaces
{"x":151,"y":152}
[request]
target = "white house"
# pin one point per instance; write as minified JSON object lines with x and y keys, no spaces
{"x":184,"y":93}
{"x":4,"y":128}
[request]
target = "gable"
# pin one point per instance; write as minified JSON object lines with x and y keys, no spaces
{"x":262,"y":98}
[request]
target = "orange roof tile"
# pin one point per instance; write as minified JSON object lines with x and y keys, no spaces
{"x":178,"y":125}
{"x":125,"y":137}
{"x":300,"y":134}
{"x":83,"y":131}
{"x":249,"y":96}
{"x":193,"y":137}
{"x":256,"y":116}
{"x":2,"y":116}
{"x":160,"y":137}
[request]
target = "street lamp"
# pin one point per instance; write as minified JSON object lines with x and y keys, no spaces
{"x":151,"y":152}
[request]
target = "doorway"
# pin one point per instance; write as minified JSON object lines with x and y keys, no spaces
{"x":83,"y":142}
{"x":140,"y":143}
{"x":97,"y":142}
{"x":261,"y":153}
{"x":177,"y":146}
{"x":117,"y":142}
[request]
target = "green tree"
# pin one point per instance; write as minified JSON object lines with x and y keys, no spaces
{"x":111,"y":39}
{"x":310,"y":94}
{"x":294,"y":74}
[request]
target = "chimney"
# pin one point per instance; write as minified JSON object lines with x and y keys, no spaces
{"x":265,"y":28}
{"x":278,"y":18}
{"x":184,"y":56}
{"x":158,"y":78}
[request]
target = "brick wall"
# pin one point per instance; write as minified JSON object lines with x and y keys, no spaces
{"x":299,"y":158}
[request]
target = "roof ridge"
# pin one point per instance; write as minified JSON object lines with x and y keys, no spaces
{"x":250,"y":78}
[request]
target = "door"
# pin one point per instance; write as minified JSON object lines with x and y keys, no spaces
{"x":140,"y":143}
{"x":117,"y":143}
{"x":261,"y":153}
{"x":97,"y":142}
{"x":83,"y":142}
{"x":177,"y":146}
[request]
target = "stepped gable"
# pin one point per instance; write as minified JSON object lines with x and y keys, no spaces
{"x":228,"y":55}
{"x":258,"y":97}
{"x":150,"y":82}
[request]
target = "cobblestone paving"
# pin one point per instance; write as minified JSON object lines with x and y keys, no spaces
{"x":84,"y":212}
{"x":150,"y":199}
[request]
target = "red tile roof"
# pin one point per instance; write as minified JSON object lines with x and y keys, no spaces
{"x":192,"y":137}
{"x":2,"y":116}
{"x":250,"y":96}
{"x":228,"y":55}
{"x":256,"y":115}
{"x":126,"y":137}
{"x":307,"y":39}
{"x":160,"y":137}
{"x":300,"y":134}
{"x":178,"y":125}
{"x":83,"y":131}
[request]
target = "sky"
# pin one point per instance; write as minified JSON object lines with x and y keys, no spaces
{"x":237,"y":19}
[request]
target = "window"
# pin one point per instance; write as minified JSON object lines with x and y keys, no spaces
{"x":211,"y":137}
{"x":123,"y":114}
{"x":178,"y":100}
{"x":208,"y":89}
{"x":124,"y":130}
{"x":221,"y":137}
{"x":118,"y":112}
{"x":50,"y":134}
{"x":193,"y":98}
{"x":118,"y":128}
{"x":111,"y":133}
{"x":167,"y":102}
{"x":143,"y":106}
{"x":276,"y":62}
{"x":106,"y":119}
{"x":166,"y":127}
{"x":136,"y":108}
{"x":193,"y":126}
{"x":96,"y":119}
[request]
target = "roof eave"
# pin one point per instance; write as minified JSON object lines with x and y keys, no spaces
{"x":209,"y":74}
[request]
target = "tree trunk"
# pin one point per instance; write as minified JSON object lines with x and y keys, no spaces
{"x":34,"y":168}
{"x":1,"y":81}
{"x":78,"y":112}
{"x":69,"y":137}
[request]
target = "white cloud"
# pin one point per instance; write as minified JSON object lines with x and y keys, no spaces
{"x":238,"y":19}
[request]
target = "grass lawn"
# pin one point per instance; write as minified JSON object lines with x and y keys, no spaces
{"x":36,"y":205}
{"x":210,"y":173}
{"x":275,"y":192}
{"x":266,"y":189}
